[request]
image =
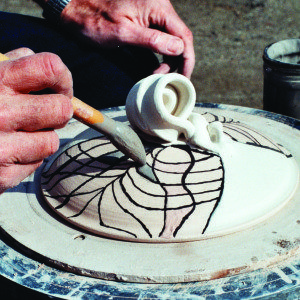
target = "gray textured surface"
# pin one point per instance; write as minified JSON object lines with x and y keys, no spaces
{"x":229,"y":39}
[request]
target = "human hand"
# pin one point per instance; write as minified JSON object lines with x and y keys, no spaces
{"x":151,"y":24}
{"x":27,"y":121}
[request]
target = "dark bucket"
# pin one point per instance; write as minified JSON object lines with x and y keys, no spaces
{"x":282,"y":78}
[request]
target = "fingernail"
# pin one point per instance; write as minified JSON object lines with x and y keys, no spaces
{"x":175,"y":46}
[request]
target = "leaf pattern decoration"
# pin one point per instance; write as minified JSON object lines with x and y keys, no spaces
{"x":94,"y":186}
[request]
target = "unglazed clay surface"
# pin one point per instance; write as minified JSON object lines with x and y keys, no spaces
{"x":214,"y":176}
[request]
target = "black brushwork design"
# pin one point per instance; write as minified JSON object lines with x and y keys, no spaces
{"x":126,"y":170}
{"x":93,"y":173}
{"x":242,"y":133}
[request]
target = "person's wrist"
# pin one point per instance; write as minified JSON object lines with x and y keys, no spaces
{"x":54,"y":8}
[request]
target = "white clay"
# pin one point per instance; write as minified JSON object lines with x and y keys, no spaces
{"x":160,"y":105}
{"x":212,"y":177}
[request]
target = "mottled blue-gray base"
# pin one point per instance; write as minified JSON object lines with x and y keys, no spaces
{"x":282,"y":284}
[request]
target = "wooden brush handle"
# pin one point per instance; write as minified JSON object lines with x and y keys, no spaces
{"x":3,"y":57}
{"x":85,"y":113}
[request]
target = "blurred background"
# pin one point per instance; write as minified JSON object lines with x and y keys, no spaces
{"x":229,"y":39}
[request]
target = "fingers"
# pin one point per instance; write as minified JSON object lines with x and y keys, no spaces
{"x":175,"y":26}
{"x":27,"y":147}
{"x":153,"y":39}
{"x":35,"y":112}
{"x":188,"y":60}
{"x":184,"y":64}
{"x":22,"y":153}
{"x":35,"y":73}
{"x":164,"y":68}
{"x":24,"y":143}
{"x":12,"y":175}
{"x":169,"y":64}
{"x":177,"y":40}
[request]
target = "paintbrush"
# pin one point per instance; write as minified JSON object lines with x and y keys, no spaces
{"x":123,"y":137}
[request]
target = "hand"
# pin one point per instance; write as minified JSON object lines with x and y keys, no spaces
{"x":152,"y":24}
{"x":27,"y":121}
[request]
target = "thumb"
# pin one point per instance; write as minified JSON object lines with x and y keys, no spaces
{"x":156,"y":41}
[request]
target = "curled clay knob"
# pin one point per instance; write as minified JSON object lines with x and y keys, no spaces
{"x":160,"y":105}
